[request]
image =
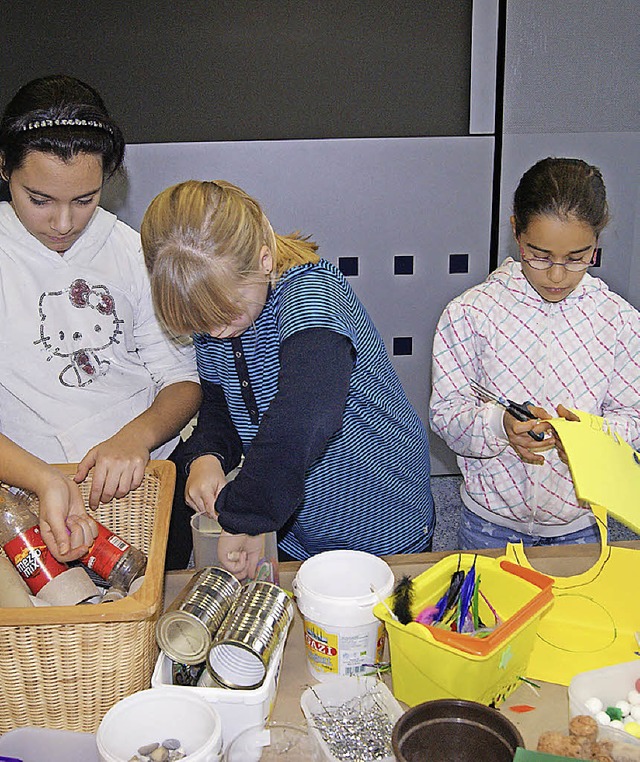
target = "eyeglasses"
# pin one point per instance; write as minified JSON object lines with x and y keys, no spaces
{"x":576,"y":266}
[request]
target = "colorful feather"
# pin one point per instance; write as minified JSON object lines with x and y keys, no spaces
{"x":403,"y":600}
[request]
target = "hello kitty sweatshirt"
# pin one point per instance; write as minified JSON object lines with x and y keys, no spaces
{"x":81,"y":351}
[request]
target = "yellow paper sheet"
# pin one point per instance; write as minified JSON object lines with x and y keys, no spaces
{"x":605,"y":469}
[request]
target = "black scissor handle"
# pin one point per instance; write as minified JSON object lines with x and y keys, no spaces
{"x":522,"y":413}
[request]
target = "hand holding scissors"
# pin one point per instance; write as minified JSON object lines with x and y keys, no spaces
{"x":518,"y":411}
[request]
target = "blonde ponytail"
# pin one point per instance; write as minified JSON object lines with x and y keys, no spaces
{"x":294,"y":249}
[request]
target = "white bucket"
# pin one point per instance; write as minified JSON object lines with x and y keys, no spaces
{"x":156,"y":714}
{"x":334,"y":594}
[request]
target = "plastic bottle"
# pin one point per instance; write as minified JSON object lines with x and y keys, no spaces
{"x":20,"y":537}
{"x":115,"y":560}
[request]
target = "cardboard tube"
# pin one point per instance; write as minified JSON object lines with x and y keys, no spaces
{"x":14,"y":592}
{"x":70,"y":587}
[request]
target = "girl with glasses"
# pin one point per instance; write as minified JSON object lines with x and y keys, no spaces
{"x":545,"y":331}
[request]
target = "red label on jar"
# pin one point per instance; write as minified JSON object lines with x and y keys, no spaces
{"x":31,"y":557}
{"x":106,"y":551}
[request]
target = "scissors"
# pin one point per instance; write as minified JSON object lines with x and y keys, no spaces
{"x":518,"y":411}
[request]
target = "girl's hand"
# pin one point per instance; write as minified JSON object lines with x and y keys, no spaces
{"x":526,"y":447}
{"x":118,"y":467}
{"x":64,"y":524}
{"x":240,"y":553}
{"x":206,"y":479}
{"x":568,"y":415}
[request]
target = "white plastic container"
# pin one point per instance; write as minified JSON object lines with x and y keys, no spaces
{"x":38,"y":744}
{"x":237,"y":709}
{"x":336,"y":592}
{"x":277,"y":742}
{"x":153,"y":715}
{"x":369,"y":690}
{"x":609,"y":684}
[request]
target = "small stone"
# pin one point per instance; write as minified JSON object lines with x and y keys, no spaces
{"x":146,"y":750}
{"x":171,"y":743}
{"x":159,"y":755}
{"x":176,"y":755}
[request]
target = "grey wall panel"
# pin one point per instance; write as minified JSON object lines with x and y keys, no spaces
{"x":371,"y":199}
{"x":572,"y":66}
{"x":572,"y":89}
{"x":484,"y":46}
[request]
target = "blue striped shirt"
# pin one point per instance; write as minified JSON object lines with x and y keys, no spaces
{"x":369,"y":489}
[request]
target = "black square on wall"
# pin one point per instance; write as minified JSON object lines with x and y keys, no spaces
{"x":348,"y":265}
{"x":402,"y":345}
{"x":403,"y":265}
{"x":598,"y":258}
{"x":458,"y":263}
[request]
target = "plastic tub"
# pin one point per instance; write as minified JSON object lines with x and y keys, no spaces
{"x":429,"y":663}
{"x":155,"y":714}
{"x":334,"y":594}
{"x":38,"y":744}
{"x":371,"y":694}
{"x":237,"y":709}
{"x":464,"y":731}
{"x":205,"y":532}
{"x":277,"y":742}
{"x":609,"y":684}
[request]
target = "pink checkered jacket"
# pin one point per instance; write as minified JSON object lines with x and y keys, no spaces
{"x":583,"y":352}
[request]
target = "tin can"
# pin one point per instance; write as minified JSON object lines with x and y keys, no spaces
{"x":185,"y":631}
{"x":245,"y":642}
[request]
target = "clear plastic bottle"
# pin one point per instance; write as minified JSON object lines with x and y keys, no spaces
{"x":20,"y":537}
{"x":115,"y":560}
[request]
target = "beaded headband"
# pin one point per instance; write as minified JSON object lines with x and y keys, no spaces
{"x":66,"y":123}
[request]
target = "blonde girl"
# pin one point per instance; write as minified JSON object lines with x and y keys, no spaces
{"x":295,"y":377}
{"x":87,"y":374}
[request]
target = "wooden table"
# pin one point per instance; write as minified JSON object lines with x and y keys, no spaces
{"x":551,"y":706}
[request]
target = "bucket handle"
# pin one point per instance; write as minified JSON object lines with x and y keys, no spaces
{"x":528,"y":575}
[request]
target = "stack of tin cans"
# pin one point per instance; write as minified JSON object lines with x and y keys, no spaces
{"x":233,"y":628}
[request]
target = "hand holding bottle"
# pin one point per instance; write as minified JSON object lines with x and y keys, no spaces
{"x":65,"y":526}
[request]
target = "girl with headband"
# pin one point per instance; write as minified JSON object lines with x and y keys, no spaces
{"x":87,"y":374}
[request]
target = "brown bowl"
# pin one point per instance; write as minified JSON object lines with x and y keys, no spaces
{"x":451,"y":729}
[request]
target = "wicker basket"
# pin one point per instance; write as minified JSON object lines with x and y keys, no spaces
{"x":65,"y":666}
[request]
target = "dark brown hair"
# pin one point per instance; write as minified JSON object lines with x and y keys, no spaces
{"x":564,"y":188}
{"x":59,"y":115}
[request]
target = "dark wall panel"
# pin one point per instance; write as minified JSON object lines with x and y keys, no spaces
{"x":219,"y":70}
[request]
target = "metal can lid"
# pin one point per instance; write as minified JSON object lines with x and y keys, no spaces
{"x":183,"y":637}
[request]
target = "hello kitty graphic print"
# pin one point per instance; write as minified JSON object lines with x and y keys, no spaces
{"x":68,"y":335}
